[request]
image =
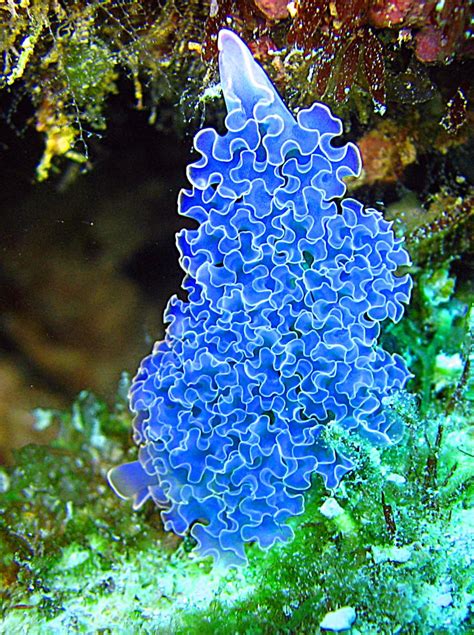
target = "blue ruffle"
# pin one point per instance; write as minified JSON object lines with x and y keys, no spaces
{"x":286,"y":286}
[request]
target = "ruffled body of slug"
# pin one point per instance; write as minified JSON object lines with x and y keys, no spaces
{"x":286,"y":286}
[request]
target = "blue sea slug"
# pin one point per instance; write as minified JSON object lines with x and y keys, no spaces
{"x":277,"y":342}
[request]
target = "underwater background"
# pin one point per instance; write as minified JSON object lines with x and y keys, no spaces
{"x":99,"y":104}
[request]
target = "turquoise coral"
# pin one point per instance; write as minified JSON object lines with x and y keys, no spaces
{"x":277,"y":342}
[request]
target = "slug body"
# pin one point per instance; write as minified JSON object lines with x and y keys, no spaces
{"x":287,"y":284}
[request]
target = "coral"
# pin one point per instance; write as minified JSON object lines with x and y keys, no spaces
{"x":439,"y":28}
{"x":339,"y":46}
{"x":386,"y":151}
{"x":391,"y":13}
{"x":273,"y":9}
{"x":444,"y":225}
{"x":394,"y":540}
{"x":276,"y":346}
{"x":347,"y":43}
{"x":68,"y":63}
{"x":342,"y":41}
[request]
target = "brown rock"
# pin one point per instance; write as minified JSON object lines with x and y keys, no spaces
{"x":273,"y":9}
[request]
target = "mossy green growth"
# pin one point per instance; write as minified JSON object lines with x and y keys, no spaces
{"x":399,"y":555}
{"x":394,"y":542}
{"x":55,"y":505}
{"x":90,"y":70}
{"x":436,"y":336}
{"x":66,"y":57}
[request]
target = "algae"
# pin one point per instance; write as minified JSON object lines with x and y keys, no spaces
{"x":68,"y":59}
{"x":393,"y":542}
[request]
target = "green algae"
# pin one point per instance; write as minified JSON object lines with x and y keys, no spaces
{"x":437,"y":336}
{"x":91,"y":74}
{"x":67,"y":59}
{"x":394,"y":541}
{"x":73,"y":558}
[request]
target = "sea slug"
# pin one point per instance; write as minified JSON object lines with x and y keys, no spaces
{"x":277,"y":341}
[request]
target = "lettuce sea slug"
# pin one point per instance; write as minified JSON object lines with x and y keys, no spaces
{"x":277,"y":342}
